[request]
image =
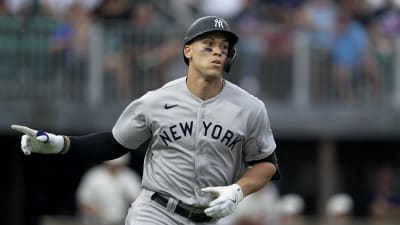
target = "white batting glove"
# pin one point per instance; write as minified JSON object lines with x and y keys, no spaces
{"x":228,"y":198}
{"x":39,"y":141}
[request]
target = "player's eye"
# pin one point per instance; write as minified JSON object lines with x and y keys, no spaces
{"x":207,"y":45}
{"x":224,"y":48}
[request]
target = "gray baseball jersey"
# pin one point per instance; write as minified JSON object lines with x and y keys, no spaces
{"x":195,"y":143}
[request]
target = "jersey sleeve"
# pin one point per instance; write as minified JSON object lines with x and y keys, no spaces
{"x":260,"y":141}
{"x":131,"y":129}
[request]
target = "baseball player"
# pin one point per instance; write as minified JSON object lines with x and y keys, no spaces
{"x":209,"y":143}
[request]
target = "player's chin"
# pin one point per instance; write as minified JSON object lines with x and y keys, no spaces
{"x":215,"y":71}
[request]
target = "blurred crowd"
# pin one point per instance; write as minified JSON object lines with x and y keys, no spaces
{"x":106,"y":190}
{"x":351,"y":42}
{"x":270,"y":206}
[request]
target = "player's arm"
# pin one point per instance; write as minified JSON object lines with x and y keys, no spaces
{"x":98,"y":146}
{"x":259,"y":174}
{"x":256,"y":177}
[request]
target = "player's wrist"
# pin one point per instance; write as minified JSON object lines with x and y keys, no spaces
{"x":66,"y":145}
{"x":238,"y":192}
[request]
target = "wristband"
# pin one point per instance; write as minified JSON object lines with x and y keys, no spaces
{"x":66,"y":146}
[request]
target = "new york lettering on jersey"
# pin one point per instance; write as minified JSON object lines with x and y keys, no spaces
{"x":209,"y":129}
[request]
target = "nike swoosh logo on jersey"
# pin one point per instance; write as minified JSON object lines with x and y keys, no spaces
{"x":166,"y":106}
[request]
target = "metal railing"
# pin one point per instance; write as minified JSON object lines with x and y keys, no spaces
{"x":123,"y":61}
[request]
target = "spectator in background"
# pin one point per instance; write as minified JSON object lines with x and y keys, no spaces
{"x":384,"y":28}
{"x":69,"y":46}
{"x":113,"y":15}
{"x":278,"y":51}
{"x":318,"y":19}
{"x":150,"y":45}
{"x":339,"y":209}
{"x":4,"y":11}
{"x":228,"y":9}
{"x":57,"y":9}
{"x":105,"y":192}
{"x":291,"y":209}
{"x":72,"y":36}
{"x":384,"y":201}
{"x":182,"y":11}
{"x":353,"y":64}
{"x":251,"y":26}
{"x":17,"y":7}
{"x":388,"y":17}
{"x":109,"y":10}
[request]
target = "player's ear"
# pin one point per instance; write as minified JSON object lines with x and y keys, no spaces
{"x":187,"y":51}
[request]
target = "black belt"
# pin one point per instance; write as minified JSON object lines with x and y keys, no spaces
{"x":194,"y":214}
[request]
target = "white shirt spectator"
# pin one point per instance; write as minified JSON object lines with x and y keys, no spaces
{"x":106,"y":191}
{"x":57,"y":8}
{"x":224,"y":8}
{"x":16,"y":6}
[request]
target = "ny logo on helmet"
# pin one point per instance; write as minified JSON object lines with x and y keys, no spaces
{"x":219,"y":23}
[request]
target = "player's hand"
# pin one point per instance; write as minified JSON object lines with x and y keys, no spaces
{"x":39,"y":141}
{"x":228,"y":197}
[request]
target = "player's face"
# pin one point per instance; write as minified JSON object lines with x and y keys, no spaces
{"x":208,"y":53}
